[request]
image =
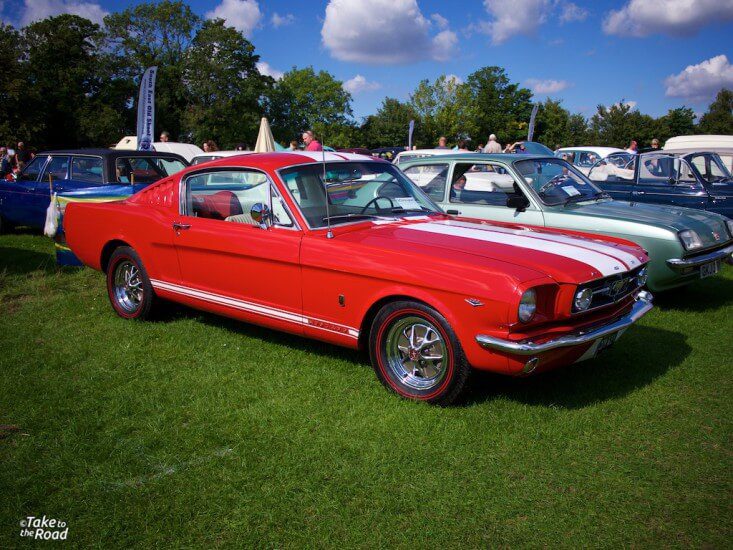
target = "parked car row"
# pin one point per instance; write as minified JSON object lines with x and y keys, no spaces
{"x":444,"y":263}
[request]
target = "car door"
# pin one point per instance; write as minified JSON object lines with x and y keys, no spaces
{"x":18,"y":200}
{"x":432,"y":178}
{"x":481,"y":190}
{"x":615,"y":175}
{"x":668,"y":180}
{"x":228,"y":260}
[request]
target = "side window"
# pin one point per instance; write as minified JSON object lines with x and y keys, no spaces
{"x":57,"y":168}
{"x":656,"y":171}
{"x":585,"y":159}
{"x":431,"y":178}
{"x":229,"y":196}
{"x":87,"y":169}
{"x":482,"y":183}
{"x":32,"y":169}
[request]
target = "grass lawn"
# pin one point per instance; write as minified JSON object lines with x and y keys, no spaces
{"x":200,"y":431}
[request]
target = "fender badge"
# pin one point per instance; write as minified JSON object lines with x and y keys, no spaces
{"x":475,"y":302}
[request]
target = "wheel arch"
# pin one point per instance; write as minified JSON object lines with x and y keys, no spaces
{"x":107,"y":251}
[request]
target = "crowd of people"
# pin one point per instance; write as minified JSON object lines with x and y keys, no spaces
{"x":12,"y":161}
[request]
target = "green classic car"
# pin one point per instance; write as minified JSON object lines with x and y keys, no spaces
{"x":684,"y":244}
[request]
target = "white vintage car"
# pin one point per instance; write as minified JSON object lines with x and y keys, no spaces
{"x":404,"y":156}
{"x":723,"y":145}
{"x":583,"y":158}
{"x":214,"y":155}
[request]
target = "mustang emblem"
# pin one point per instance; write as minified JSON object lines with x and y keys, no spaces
{"x":617,"y":287}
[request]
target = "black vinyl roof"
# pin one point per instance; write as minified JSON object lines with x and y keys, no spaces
{"x":112,"y":153}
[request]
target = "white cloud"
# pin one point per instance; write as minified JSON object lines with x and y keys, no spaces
{"x":676,"y":17}
{"x":702,"y":81}
{"x":570,"y":12}
{"x":282,"y":20}
{"x":521,"y":17}
{"x":383,"y":32}
{"x":439,"y":20}
{"x":243,"y":15}
{"x":544,"y":87}
{"x":455,"y":78}
{"x":360,"y":84}
{"x":35,"y":10}
{"x":265,"y":69}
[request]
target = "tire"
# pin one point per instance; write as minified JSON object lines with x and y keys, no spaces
{"x":409,"y":369}
{"x":128,"y":285}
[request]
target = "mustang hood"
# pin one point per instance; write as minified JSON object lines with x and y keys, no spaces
{"x":706,"y":224}
{"x":565,"y":258}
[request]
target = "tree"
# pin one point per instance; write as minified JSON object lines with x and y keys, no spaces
{"x":501,"y":107}
{"x":303,"y":99}
{"x":155,"y":34}
{"x":677,"y":122}
{"x":617,"y":125}
{"x":577,"y":133}
{"x":65,"y":78}
{"x":552,"y":124}
{"x":719,"y":117}
{"x":223,"y":86}
{"x":18,"y":121}
{"x":389,"y":125}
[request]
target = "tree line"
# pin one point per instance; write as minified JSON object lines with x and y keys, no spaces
{"x":69,"y":82}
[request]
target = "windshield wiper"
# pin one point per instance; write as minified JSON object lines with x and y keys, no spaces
{"x":401,"y":209}
{"x":350,"y":217}
{"x":581,"y":198}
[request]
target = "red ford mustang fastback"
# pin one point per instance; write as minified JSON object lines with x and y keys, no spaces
{"x":347,"y":250}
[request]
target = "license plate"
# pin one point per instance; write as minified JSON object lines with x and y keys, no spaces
{"x":708,"y":270}
{"x":606,"y":342}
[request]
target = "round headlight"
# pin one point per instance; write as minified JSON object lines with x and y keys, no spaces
{"x":583,"y":298}
{"x":527,"y":306}
{"x":642,"y":277}
{"x":690,"y":239}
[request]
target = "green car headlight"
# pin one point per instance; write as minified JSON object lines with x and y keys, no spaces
{"x":583,"y":299}
{"x":642,"y":277}
{"x":527,"y":306}
{"x":690,"y":239}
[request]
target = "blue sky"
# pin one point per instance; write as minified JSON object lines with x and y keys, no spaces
{"x":654,"y":53}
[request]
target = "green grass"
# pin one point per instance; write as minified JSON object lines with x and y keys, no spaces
{"x":200,"y":431}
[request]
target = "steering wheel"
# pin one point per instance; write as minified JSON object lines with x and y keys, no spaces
{"x":375,"y":200}
{"x":552,"y":183}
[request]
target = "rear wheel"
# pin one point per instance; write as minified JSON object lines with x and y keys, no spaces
{"x":128,"y":285}
{"x":416,"y":354}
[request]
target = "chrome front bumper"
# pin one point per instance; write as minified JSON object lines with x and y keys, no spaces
{"x":640,"y":308}
{"x":680,"y":265}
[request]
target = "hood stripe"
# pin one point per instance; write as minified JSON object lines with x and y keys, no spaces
{"x":605,"y":264}
{"x":630,"y":260}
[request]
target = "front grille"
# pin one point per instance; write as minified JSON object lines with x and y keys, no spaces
{"x":612,"y":289}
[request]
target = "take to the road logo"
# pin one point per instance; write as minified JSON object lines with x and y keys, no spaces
{"x":43,"y":528}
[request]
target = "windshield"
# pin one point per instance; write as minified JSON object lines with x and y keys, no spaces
{"x":146,"y":169}
{"x":710,"y":168}
{"x":356,"y":191}
{"x":557,"y":182}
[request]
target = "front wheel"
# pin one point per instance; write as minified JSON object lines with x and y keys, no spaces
{"x":128,"y":285}
{"x":416,"y":354}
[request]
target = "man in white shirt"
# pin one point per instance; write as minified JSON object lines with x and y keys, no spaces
{"x":492,"y":146}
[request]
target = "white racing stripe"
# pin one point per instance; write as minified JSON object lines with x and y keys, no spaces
{"x":256,"y":308}
{"x":605,"y":264}
{"x":627,"y":258}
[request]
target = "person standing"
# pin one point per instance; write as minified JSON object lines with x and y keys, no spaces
{"x":633,"y":148}
{"x":6,"y":166}
{"x":22,"y":156}
{"x":165,"y":137}
{"x":442,"y":143}
{"x":492,"y":146}
{"x":311,"y":143}
{"x":293,"y":146}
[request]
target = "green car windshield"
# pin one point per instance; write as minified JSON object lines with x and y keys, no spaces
{"x":556,"y":181}
{"x":356,"y":191}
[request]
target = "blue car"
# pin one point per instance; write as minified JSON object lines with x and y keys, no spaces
{"x":24,"y":200}
{"x":693,"y":180}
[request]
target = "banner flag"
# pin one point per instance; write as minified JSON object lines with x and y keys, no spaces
{"x":146,"y":110}
{"x":530,"y":134}
{"x":409,"y":135}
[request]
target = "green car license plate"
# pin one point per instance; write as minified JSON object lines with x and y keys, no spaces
{"x":606,"y":342}
{"x":708,"y":270}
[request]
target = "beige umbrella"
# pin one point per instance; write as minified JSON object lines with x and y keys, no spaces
{"x":265,"y":141}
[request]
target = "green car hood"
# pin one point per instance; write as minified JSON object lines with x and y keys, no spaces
{"x":707,"y":225}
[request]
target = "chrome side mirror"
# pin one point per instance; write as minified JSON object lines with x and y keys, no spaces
{"x":261,"y":215}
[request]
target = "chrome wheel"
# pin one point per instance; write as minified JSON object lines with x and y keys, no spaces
{"x":416,"y":353}
{"x":128,"y":286}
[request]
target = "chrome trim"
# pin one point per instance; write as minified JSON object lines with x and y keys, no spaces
{"x":681,"y":264}
{"x":641,"y":307}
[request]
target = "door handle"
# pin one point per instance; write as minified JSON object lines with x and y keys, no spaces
{"x":178,"y":226}
{"x":638,"y":193}
{"x":453,"y":212}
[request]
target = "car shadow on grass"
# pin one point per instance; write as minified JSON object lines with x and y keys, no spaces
{"x":712,"y":293}
{"x":641,"y":355}
{"x":21,"y":261}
